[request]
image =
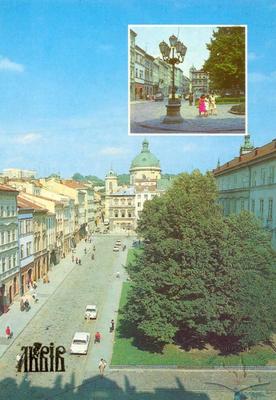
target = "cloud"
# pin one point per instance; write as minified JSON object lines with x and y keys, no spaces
{"x":112,"y":151}
{"x":27,"y":138}
{"x":7,"y":65}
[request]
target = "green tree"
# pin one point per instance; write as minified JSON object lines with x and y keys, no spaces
{"x":226,"y":62}
{"x":197,"y":269}
{"x":78,"y":177}
{"x":123,"y":179}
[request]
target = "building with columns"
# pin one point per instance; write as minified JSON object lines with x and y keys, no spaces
{"x":248,"y":182}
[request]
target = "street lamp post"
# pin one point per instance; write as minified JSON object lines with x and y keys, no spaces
{"x":172,"y":55}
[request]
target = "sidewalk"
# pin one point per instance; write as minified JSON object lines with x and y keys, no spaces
{"x":18,"y":320}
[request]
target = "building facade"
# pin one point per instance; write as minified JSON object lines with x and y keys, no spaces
{"x":123,"y":205}
{"x":248,"y":182}
{"x":9,"y":259}
{"x":132,"y":64}
{"x":199,"y":81}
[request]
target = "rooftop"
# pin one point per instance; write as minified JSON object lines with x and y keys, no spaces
{"x":29,"y":204}
{"x":6,"y":188}
{"x":258,"y":154}
{"x":73,"y":184}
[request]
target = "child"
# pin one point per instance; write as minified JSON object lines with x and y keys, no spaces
{"x":202,"y":105}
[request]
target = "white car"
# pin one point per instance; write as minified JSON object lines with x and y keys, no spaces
{"x":80,"y":343}
{"x":118,"y":243}
{"x":91,"y":312}
{"x":116,"y":248}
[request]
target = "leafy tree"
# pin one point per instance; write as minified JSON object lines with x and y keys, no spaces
{"x":78,"y":177}
{"x":90,"y":178}
{"x":198,"y":268}
{"x":123,"y":179}
{"x":226,"y":62}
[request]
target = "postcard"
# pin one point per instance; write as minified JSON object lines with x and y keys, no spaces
{"x":137,"y":200}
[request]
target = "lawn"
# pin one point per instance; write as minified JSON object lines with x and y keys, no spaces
{"x":126,"y":352}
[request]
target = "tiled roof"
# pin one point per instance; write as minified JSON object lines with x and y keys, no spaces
{"x":256,"y":155}
{"x":46,"y":198}
{"x":6,"y":188}
{"x":29,"y":204}
{"x":74,"y":184}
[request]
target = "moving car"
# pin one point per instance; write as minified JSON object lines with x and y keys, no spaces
{"x":80,"y":343}
{"x":159,"y":96}
{"x":91,"y":311}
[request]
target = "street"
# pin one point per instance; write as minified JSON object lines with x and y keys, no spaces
{"x":146,"y":116}
{"x":63,"y":314}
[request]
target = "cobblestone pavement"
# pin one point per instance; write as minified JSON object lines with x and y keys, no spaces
{"x":148,"y":116}
{"x":62,"y":315}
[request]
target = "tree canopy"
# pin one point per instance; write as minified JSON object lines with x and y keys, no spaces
{"x":226,"y":62}
{"x":201,"y":275}
{"x":90,"y":178}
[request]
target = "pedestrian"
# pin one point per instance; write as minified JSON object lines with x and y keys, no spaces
{"x":34,"y":284}
{"x":94,"y":248}
{"x":19,"y":361}
{"x":77,"y":260}
{"x":202,"y":106}
{"x":44,"y":278}
{"x":212,"y":104}
{"x":118,"y":274}
{"x":191,"y":99}
{"x":26,"y":304}
{"x":85,"y":251}
{"x":22,"y":306}
{"x":102,"y":365}
{"x":8,"y":332}
{"x":97,"y":337}
{"x":35,"y":297}
{"x":73,"y":258}
{"x":112,"y":325}
{"x":92,"y":256}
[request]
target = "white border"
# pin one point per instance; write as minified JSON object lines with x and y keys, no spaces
{"x":132,"y":26}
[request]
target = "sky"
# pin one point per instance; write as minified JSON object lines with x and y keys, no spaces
{"x":193,"y":37}
{"x":63,"y":79}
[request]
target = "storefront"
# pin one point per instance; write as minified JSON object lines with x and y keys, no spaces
{"x":139,"y":91}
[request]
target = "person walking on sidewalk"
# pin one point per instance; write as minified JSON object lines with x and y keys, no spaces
{"x":8,"y":332}
{"x":73,"y":258}
{"x":112,"y":326}
{"x":102,"y":365}
{"x":77,"y":260}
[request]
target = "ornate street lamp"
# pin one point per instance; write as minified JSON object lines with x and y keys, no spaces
{"x":173,"y":54}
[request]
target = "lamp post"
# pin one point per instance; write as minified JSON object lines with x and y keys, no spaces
{"x":172,"y":55}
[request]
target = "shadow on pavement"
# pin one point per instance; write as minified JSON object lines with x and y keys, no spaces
{"x":96,"y":388}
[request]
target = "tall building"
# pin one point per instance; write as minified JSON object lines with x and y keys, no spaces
{"x":132,"y":64}
{"x":123,"y":205}
{"x":9,"y":260}
{"x":248,"y":182}
{"x":200,"y":81}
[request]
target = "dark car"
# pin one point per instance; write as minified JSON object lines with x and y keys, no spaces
{"x":159,"y":96}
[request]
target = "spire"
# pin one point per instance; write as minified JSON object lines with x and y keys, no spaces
{"x":247,"y":146}
{"x":218,"y":164}
{"x":145,"y":146}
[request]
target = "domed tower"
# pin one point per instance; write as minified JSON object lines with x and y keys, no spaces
{"x":145,"y":167}
{"x":111,"y":183}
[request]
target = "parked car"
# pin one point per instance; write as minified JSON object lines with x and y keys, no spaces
{"x":159,"y":96}
{"x":80,"y":343}
{"x":118,"y":243}
{"x":91,"y":312}
{"x":116,"y":248}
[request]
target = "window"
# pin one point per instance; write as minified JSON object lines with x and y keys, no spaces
{"x":253,"y":205}
{"x":270,"y":209}
{"x":3,"y":264}
{"x":8,"y":211}
{"x":261,"y":208}
{"x":254,"y":178}
{"x":116,"y":214}
{"x":14,"y":260}
{"x":13,"y":235}
{"x":139,"y":204}
{"x":28,"y":248}
{"x":2,"y":211}
{"x":10,"y":262}
{"x":129,"y":215}
{"x":9,"y":236}
{"x":263,"y":176}
{"x":271,"y":175}
{"x":136,"y":72}
{"x":22,"y":251}
{"x":2,"y":237}
{"x":242,"y":204}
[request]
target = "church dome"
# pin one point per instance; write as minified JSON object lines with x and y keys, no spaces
{"x":145,"y":159}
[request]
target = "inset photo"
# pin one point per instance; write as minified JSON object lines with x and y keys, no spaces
{"x":187,"y":79}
